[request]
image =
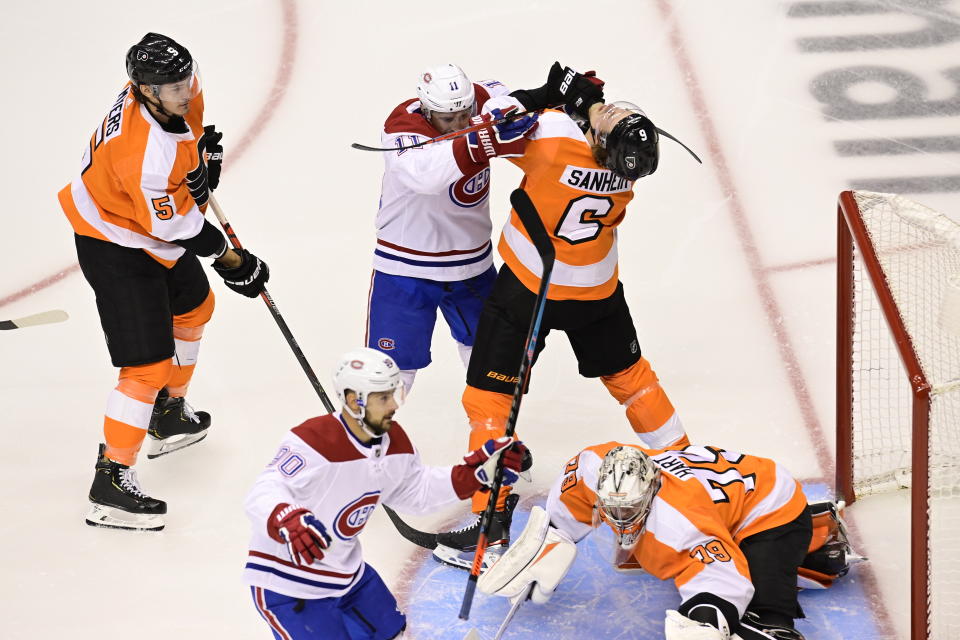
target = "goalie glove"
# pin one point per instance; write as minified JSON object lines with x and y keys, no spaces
{"x":299,"y":529}
{"x":542,"y":555}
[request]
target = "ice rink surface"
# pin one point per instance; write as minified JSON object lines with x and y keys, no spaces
{"x":728,"y":267}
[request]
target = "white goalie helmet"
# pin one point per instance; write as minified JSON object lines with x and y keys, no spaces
{"x":627,"y":483}
{"x":365,"y":371}
{"x":445,"y":88}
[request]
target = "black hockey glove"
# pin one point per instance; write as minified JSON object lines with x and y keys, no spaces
{"x":213,"y":152}
{"x":247,"y":279}
{"x":578,"y":91}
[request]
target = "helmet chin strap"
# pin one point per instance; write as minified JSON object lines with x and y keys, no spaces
{"x":359,"y":417}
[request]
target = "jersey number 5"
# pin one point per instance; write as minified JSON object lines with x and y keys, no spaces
{"x":162,"y":208}
{"x":579,"y":221}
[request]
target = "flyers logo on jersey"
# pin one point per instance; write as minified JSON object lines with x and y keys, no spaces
{"x":353,"y":517}
{"x":470,"y":191}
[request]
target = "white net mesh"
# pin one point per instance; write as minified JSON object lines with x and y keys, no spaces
{"x":918,"y":250}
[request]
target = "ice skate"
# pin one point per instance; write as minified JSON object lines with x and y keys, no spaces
{"x":118,"y":502}
{"x":175,"y":425}
{"x":456,"y":548}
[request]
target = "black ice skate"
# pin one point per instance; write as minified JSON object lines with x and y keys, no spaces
{"x":456,"y":548}
{"x":753,"y":628}
{"x":118,"y":502}
{"x":175,"y":425}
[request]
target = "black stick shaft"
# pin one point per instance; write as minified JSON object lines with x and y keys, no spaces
{"x":528,"y":215}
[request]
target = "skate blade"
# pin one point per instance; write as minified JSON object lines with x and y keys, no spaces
{"x":169,"y":445}
{"x":112,"y":518}
{"x":464,"y":559}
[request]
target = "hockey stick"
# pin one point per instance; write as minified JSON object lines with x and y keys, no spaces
{"x":515,"y":604}
{"x":531,"y":221}
{"x":417,"y":537}
{"x":453,"y":134}
{"x":45,"y":317}
{"x":284,"y":329}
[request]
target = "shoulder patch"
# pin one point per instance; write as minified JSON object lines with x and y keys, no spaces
{"x":327,"y":436}
{"x":399,"y":441}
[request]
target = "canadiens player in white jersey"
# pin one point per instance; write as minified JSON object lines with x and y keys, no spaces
{"x":433,"y":226}
{"x":305,"y":565}
{"x":731,"y":530}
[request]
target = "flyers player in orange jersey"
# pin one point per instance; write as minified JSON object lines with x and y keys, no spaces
{"x":580,"y":177}
{"x":731,"y":531}
{"x":137,"y":209}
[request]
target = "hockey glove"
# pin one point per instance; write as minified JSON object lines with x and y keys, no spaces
{"x":205,"y":177}
{"x":483,"y":461}
{"x":578,"y":91}
{"x":506,"y":139}
{"x":212,"y":151}
{"x":299,"y":529}
{"x":249,"y":278}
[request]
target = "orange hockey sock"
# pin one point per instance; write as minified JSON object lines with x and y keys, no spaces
{"x":649,"y":410}
{"x":187,"y":332}
{"x":129,"y":408}
{"x":487,"y":412}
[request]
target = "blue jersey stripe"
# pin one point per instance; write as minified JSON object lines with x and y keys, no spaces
{"x":287,"y":576}
{"x":427,"y":263}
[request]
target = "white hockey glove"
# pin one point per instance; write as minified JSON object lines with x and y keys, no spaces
{"x":541,"y":555}
{"x":679,"y":627}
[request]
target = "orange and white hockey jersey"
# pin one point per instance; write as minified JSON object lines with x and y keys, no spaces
{"x":132,"y":185}
{"x":709,"y":500}
{"x":580,"y":204}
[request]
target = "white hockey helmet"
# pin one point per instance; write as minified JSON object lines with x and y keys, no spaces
{"x":627,"y":483}
{"x":445,"y":88}
{"x":365,"y":371}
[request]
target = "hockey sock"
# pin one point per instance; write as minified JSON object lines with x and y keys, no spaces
{"x":649,"y":410}
{"x":129,"y":408}
{"x":487,"y":412}
{"x":187,"y":331}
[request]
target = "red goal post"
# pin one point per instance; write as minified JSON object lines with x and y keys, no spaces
{"x":898,"y":384}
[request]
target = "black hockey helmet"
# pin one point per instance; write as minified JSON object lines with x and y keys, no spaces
{"x":158,"y":59}
{"x":633,"y":147}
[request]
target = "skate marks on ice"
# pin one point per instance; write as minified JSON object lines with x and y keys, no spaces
{"x":596,"y":601}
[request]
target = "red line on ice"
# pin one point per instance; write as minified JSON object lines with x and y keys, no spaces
{"x":761,"y":277}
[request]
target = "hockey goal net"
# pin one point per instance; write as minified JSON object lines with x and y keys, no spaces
{"x":898,"y":384}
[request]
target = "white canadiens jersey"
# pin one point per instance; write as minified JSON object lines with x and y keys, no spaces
{"x":434,"y":217}
{"x":323,"y":467}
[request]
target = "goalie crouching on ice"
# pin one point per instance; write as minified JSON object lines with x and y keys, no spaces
{"x":731,"y":530}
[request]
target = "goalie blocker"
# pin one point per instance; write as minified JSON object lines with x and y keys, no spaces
{"x":671,"y":520}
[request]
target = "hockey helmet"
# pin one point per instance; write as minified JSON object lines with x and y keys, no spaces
{"x":157,"y":61}
{"x":630,"y":139}
{"x":446,"y":89}
{"x":626,"y":485}
{"x":365,"y":371}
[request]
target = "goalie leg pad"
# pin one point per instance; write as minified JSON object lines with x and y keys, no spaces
{"x":541,"y":555}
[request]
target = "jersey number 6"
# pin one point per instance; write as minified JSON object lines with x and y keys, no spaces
{"x":579,"y":221}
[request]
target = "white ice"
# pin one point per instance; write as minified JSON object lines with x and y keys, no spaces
{"x":728,"y":266}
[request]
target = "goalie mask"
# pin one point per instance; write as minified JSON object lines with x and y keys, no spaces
{"x":365,"y":371}
{"x":627,"y":483}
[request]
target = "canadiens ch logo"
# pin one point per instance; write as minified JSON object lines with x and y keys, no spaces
{"x":470,"y":191}
{"x":386,"y":344}
{"x":353,"y":517}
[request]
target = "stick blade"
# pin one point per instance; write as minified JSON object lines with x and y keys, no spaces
{"x":45,"y":317}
